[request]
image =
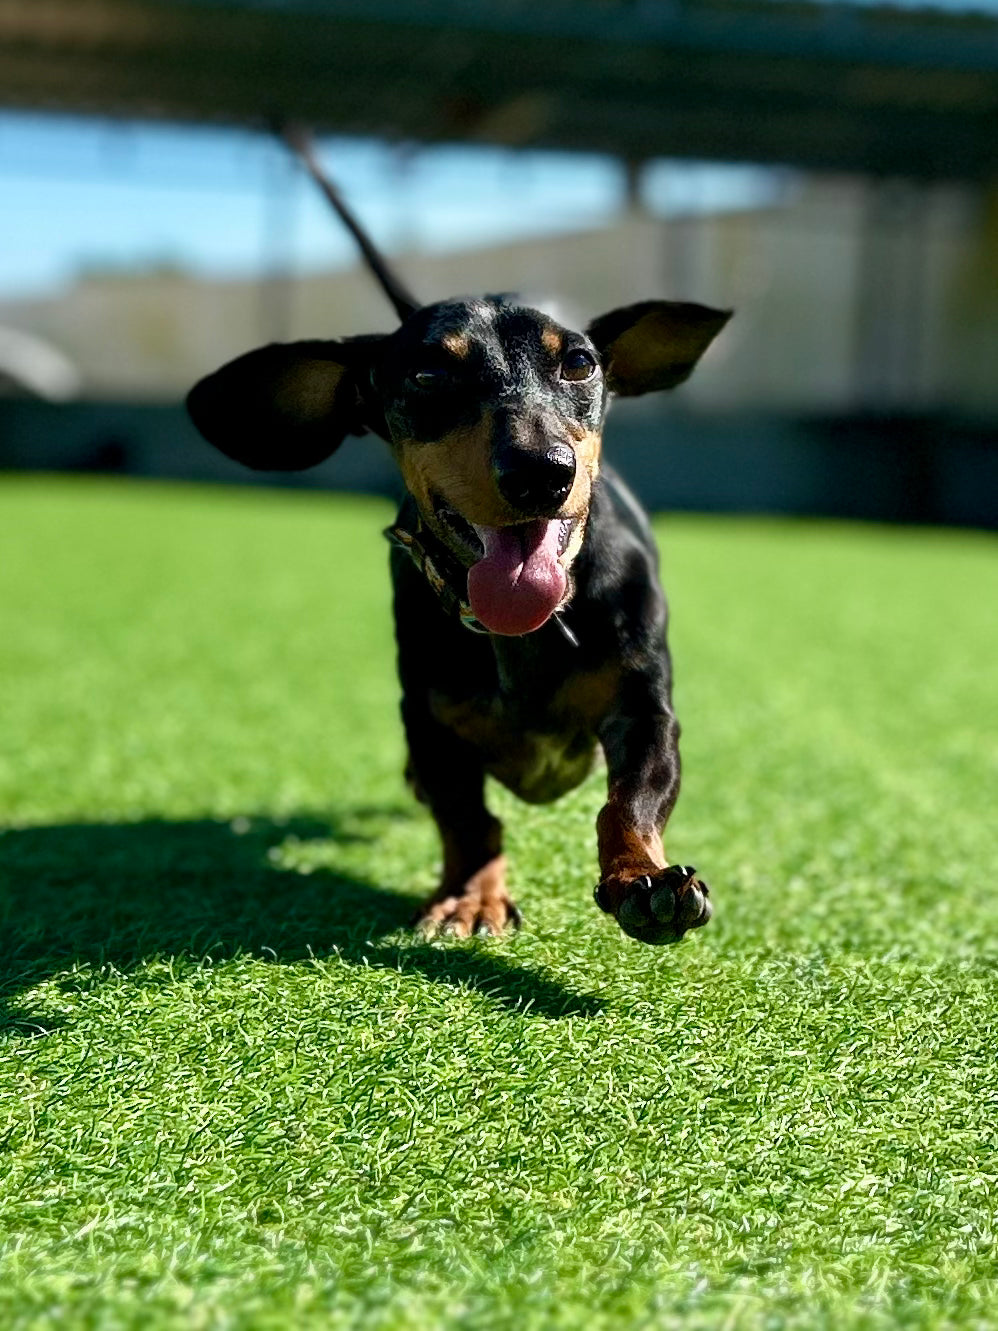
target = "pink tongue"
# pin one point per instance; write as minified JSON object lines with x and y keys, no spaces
{"x":519,"y":583}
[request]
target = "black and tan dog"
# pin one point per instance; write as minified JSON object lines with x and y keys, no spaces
{"x":529,"y":616}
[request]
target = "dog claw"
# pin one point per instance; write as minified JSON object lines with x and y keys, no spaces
{"x":465,"y":916}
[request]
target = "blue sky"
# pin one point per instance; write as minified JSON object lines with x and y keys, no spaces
{"x":79,"y":192}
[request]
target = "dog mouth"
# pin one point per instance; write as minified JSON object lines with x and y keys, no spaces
{"x":468,"y":536}
{"x":516,"y":580}
{"x":463,"y":533}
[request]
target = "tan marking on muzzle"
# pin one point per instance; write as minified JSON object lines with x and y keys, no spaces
{"x":458,"y":469}
{"x":586,"y":446}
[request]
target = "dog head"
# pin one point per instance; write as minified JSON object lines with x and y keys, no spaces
{"x":494,"y":414}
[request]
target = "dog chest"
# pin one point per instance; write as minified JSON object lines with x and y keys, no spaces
{"x":538,"y":748}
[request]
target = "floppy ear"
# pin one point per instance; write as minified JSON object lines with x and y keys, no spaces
{"x":654,"y":344}
{"x":284,"y":407}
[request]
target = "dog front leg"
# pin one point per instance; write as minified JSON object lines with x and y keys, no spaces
{"x":649,"y":900}
{"x":447,"y":774}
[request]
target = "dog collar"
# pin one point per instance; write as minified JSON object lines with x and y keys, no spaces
{"x":416,"y":547}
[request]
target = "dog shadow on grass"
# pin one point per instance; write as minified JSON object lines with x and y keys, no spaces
{"x":120,"y":894}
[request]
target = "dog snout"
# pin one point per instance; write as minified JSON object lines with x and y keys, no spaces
{"x":536,"y":482}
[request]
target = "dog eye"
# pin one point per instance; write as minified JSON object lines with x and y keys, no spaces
{"x":430,"y":376}
{"x":578,"y":365}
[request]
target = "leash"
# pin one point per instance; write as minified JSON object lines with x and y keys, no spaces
{"x":415,"y":546}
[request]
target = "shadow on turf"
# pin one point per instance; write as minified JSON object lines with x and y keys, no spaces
{"x":118,"y":895}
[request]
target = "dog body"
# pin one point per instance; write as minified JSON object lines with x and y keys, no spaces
{"x":529,"y":617}
{"x":532,"y":711}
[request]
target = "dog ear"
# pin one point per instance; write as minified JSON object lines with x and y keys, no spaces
{"x":654,"y":344}
{"x":285,"y":407}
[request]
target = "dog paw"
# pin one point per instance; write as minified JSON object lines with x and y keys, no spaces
{"x":483,"y":911}
{"x":657,"y":908}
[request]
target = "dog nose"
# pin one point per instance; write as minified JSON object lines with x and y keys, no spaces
{"x":535,"y":482}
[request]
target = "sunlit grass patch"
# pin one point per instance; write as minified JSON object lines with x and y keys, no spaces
{"x":235,"y":1091}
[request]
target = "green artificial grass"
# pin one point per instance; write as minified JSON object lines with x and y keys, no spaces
{"x":235,"y":1092}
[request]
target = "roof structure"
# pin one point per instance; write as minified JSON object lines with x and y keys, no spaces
{"x":826,"y":86}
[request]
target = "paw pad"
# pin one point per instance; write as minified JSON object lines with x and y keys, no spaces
{"x":661,"y":907}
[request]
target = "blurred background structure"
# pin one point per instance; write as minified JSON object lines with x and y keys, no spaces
{"x":830,"y":170}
